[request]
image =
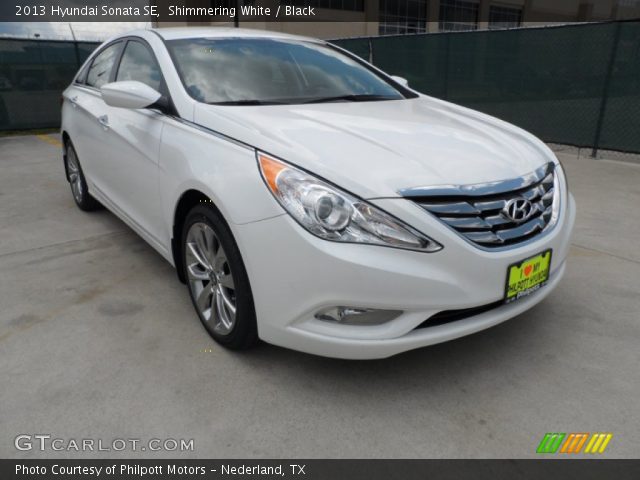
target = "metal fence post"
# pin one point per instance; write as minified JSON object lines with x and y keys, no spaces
{"x":447,"y":58}
{"x":75,"y":45}
{"x":77,"y":51}
{"x":605,"y":89}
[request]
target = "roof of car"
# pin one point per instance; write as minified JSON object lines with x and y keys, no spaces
{"x":174,"y":33}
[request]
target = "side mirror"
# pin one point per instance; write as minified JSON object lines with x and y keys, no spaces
{"x":129,"y":94}
{"x":401,"y":80}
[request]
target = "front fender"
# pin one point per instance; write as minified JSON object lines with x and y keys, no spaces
{"x":225,"y":171}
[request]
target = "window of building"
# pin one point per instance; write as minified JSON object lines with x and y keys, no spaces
{"x":402,"y":16}
{"x":458,"y":15}
{"x":504,"y":17}
{"x":138,"y":63}
{"x":354,"y":5}
{"x":230,"y":3}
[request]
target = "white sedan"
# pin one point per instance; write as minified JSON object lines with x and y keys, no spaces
{"x":309,"y":199}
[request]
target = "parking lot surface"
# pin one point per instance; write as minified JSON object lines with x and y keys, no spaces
{"x":98,"y":339}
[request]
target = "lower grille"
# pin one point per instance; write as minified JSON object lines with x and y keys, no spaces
{"x":448,"y":316}
{"x":496,"y":214}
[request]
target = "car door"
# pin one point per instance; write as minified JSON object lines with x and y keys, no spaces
{"x":87,"y":132}
{"x":133,"y":139}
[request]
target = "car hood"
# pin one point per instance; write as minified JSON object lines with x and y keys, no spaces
{"x":376,"y":149}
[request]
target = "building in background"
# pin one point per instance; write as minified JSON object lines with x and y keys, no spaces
{"x":390,"y":17}
{"x":81,"y":31}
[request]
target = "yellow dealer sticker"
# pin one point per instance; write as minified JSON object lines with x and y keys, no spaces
{"x":527,"y":276}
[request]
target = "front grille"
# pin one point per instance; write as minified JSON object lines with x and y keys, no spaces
{"x":479,"y":212}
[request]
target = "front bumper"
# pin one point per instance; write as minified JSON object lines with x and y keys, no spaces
{"x":294,"y":274}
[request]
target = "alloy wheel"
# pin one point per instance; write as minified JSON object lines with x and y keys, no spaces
{"x":210,"y":278}
{"x":75,"y":176}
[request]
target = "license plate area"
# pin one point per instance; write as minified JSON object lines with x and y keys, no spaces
{"x":527,"y":276}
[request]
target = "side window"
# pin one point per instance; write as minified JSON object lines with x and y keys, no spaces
{"x":138,"y":63}
{"x":81,"y":78}
{"x":100,"y":69}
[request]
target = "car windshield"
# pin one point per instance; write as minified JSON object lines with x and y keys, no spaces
{"x":250,"y":71}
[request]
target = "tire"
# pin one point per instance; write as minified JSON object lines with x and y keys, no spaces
{"x":76,"y":179}
{"x":217,"y":279}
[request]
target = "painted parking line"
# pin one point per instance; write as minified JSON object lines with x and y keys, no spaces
{"x":50,"y":140}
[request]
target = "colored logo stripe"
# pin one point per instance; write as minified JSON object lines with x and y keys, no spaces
{"x":598,"y":443}
{"x":574,"y":443}
{"x":550,"y":443}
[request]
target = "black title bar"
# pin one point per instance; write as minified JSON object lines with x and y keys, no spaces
{"x":179,"y":11}
{"x":322,"y":469}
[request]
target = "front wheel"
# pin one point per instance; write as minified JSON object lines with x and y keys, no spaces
{"x":217,"y":279}
{"x":77,"y":181}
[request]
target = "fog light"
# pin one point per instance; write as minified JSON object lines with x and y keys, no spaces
{"x":356,"y":315}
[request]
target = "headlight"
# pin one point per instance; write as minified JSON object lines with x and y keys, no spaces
{"x":559,"y":178}
{"x":333,"y":214}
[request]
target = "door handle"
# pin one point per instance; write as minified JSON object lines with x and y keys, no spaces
{"x":104,"y":121}
{"x":74,"y":101}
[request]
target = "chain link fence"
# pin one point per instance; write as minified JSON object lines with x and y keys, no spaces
{"x":575,"y":85}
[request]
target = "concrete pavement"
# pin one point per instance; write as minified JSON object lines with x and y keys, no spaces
{"x":98,"y":340}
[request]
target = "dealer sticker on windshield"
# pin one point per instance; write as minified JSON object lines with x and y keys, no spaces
{"x":527,"y":276}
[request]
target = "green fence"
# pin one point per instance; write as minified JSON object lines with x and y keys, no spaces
{"x":576,"y":85}
{"x":33,"y":74}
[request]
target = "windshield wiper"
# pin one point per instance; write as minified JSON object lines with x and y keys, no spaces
{"x":353,"y":98}
{"x":247,"y":102}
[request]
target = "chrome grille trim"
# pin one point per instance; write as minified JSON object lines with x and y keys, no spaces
{"x":482,"y":189}
{"x":476,"y":211}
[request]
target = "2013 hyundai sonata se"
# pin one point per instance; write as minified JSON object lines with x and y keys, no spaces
{"x":309,"y":199}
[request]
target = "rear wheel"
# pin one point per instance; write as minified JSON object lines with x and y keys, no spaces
{"x":217,"y":279}
{"x":77,"y":181}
